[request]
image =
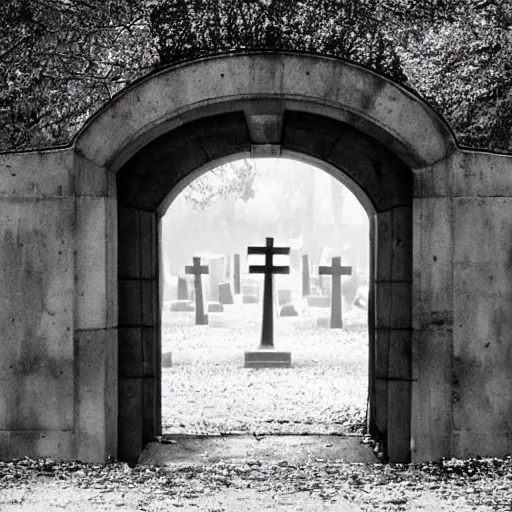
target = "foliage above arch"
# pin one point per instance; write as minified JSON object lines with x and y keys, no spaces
{"x":60,"y":60}
{"x":352,"y":29}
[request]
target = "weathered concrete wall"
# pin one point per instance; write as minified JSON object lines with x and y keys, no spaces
{"x":482,"y":285}
{"x":37,"y":268}
{"x":462,"y":398}
{"x":58,"y":377}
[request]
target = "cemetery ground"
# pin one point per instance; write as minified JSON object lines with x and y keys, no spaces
{"x":210,"y":393}
{"x":208,"y":390}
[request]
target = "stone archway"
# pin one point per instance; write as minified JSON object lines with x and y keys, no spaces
{"x":156,"y":136}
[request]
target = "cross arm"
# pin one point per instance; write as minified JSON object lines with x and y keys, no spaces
{"x":264,"y":250}
{"x":262,"y":269}
{"x":201,"y":269}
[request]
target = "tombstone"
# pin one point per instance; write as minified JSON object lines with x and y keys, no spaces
{"x":288,"y":310}
{"x":225,"y":295}
{"x":350,"y":287}
{"x":216,"y":276}
{"x":197,"y":270}
{"x":181,"y":305}
{"x":182,"y":289}
{"x":284,"y":297}
{"x":214,"y":307}
{"x":336,"y":271}
{"x":236,"y":274}
{"x":167,"y":360}
{"x":306,"y":290}
{"x":267,"y":356}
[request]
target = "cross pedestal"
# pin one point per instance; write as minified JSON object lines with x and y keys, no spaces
{"x":336,"y":271}
{"x":197,"y":269}
{"x":267,"y":356}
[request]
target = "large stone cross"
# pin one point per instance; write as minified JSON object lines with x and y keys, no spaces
{"x":197,"y":269}
{"x":336,"y":271}
{"x":268,"y":269}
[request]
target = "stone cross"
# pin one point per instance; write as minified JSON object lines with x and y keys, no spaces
{"x":197,"y":269}
{"x":268,"y":269}
{"x":336,"y":271}
{"x":305,"y":275}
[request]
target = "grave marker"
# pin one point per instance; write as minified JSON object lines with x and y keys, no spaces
{"x":167,"y":360}
{"x":236,"y":274}
{"x":225,"y":295}
{"x":336,"y":271}
{"x":288,"y":310}
{"x":215,"y":307}
{"x":305,"y":275}
{"x":216,"y":276}
{"x":266,"y":356}
{"x":182,"y":288}
{"x":197,"y":270}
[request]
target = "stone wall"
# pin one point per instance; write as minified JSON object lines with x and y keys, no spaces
{"x":58,"y":351}
{"x":462,"y":395}
{"x":37,"y":283}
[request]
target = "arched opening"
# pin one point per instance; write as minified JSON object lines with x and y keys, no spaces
{"x":168,"y":162}
{"x":301,"y":207}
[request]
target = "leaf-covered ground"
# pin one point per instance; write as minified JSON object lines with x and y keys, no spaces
{"x":455,"y":486}
{"x":208,"y":390}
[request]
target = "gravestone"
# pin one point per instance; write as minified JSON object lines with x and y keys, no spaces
{"x":215,"y":307}
{"x":350,"y":287}
{"x":197,"y":270}
{"x":236,"y":274}
{"x":336,"y":271}
{"x":216,"y":276}
{"x":288,"y":310}
{"x":306,"y":290}
{"x":167,"y":360}
{"x":181,"y":305}
{"x":267,"y":356}
{"x":225,"y":295}
{"x":182,"y":289}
